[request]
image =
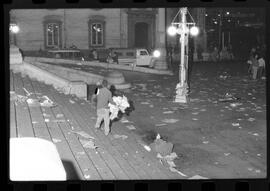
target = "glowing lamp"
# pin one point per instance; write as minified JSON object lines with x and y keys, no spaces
{"x":156,"y":53}
{"x":14,"y":28}
{"x":194,"y":31}
{"x":172,"y":30}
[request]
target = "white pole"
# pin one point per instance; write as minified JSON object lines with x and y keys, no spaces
{"x":182,"y":41}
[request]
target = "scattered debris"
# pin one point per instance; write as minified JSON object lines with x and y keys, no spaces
{"x":167,"y":112}
{"x":251,"y":119}
{"x":56,"y":140}
{"x":116,"y":136}
{"x":160,"y":124}
{"x":89,"y":144}
{"x":235,"y":124}
{"x":47,"y":120}
{"x":71,"y":101}
{"x":170,"y":120}
{"x":59,"y":115}
{"x":205,"y":142}
{"x":83,"y":134}
{"x":227,"y":154}
{"x":130,"y":127}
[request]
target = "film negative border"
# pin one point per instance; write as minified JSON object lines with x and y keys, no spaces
{"x":143,"y":185}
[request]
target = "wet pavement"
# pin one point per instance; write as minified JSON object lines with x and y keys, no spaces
{"x":212,"y":138}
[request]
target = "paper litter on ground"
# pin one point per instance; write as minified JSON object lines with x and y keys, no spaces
{"x":83,"y":134}
{"x":167,"y":112}
{"x":116,"y":136}
{"x":161,"y":124}
{"x":170,"y":120}
{"x":88,"y":143}
{"x":71,"y":101}
{"x":130,"y":127}
{"x":56,"y":140}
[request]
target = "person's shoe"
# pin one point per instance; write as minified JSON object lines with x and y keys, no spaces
{"x":106,"y":133}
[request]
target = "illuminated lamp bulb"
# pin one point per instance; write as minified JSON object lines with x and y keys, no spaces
{"x":194,"y":31}
{"x":156,"y":53}
{"x":172,"y":30}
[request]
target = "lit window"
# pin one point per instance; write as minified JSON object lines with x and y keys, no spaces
{"x":96,"y":34}
{"x":52,"y":35}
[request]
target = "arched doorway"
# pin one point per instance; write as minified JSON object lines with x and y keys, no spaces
{"x":141,"y":35}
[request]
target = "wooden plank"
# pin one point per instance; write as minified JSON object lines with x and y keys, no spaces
{"x":11,"y":84}
{"x":118,"y":150}
{"x":38,"y":121}
{"x":95,"y":156}
{"x":147,"y":157}
{"x":87,"y":166}
{"x":73,"y":169}
{"x":12,"y":121}
{"x":137,"y":164}
{"x":23,"y":119}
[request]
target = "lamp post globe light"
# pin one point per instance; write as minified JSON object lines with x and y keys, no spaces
{"x":183,"y":28}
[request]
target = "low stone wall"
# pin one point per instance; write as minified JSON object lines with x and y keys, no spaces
{"x":71,"y":74}
{"x":78,"y":88}
{"x":101,"y":64}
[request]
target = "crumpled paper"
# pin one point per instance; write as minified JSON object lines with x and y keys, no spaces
{"x":89,"y":144}
{"x":121,"y":105}
{"x":116,"y":136}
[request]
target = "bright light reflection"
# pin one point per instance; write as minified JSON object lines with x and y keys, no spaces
{"x":156,"y":53}
{"x":194,"y":31}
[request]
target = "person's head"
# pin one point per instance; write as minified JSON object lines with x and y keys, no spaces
{"x":105,"y":83}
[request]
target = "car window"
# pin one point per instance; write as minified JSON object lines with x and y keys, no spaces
{"x":143,"y":53}
{"x":130,"y":53}
{"x":119,"y":53}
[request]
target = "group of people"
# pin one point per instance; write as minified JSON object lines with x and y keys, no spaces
{"x":111,"y":56}
{"x":256,"y":63}
{"x":224,"y":54}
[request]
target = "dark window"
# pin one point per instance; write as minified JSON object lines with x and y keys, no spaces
{"x":130,"y":54}
{"x":53,"y":35}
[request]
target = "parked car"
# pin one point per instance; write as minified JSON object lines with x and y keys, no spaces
{"x":134,"y":56}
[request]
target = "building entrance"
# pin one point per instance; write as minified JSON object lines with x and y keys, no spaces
{"x":141,"y":35}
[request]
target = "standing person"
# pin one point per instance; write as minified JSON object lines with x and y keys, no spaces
{"x":261,"y":69}
{"x":104,"y":96}
{"x":255,"y":66}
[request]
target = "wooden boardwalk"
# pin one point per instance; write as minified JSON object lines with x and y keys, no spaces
{"x":71,"y":121}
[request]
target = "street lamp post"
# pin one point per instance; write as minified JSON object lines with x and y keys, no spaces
{"x":182,"y":28}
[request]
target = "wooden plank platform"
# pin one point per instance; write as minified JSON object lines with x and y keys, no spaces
{"x":70,"y":123}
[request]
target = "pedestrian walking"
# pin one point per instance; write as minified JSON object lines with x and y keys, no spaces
{"x":104,"y":96}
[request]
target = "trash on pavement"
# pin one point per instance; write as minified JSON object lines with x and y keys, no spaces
{"x":130,"y":127}
{"x":83,"y":134}
{"x":71,"y":101}
{"x":235,"y":124}
{"x":160,"y":124}
{"x":170,"y":120}
{"x":89,"y":144}
{"x":167,"y":112}
{"x":116,"y":136}
{"x":46,"y":102}
{"x":56,"y":140}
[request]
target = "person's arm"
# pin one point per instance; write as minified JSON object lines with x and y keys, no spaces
{"x":110,"y":99}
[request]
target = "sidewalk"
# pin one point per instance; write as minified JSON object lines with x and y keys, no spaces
{"x":70,"y":125}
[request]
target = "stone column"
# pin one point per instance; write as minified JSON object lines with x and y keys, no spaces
{"x":161,"y":63}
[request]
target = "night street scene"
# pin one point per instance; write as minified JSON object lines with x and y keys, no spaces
{"x":137,"y":93}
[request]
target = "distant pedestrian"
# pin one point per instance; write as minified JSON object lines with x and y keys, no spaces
{"x":255,"y":66}
{"x":104,"y":96}
{"x":261,"y":69}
